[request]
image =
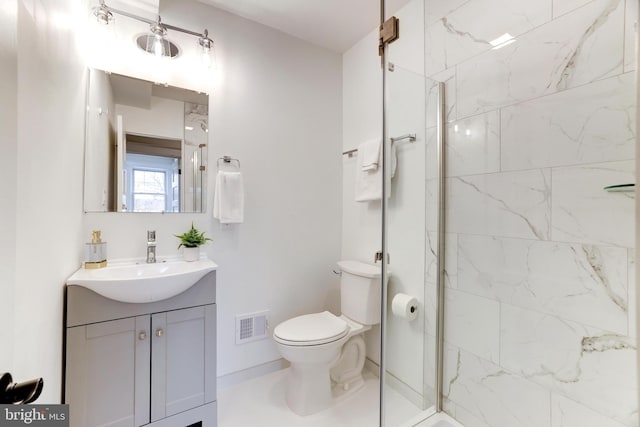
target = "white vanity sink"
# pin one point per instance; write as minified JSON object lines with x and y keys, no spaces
{"x":141,"y":282}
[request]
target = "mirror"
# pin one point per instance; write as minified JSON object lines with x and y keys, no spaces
{"x":145,"y":146}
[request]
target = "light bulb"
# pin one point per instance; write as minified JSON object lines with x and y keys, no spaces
{"x":157,"y":46}
{"x":206,"y":57}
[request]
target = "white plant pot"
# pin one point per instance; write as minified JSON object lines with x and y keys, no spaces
{"x":191,"y":254}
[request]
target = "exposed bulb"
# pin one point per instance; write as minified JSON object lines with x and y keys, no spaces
{"x":206,"y":57}
{"x":157,"y":46}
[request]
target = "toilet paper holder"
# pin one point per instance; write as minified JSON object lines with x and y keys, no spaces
{"x":404,"y":306}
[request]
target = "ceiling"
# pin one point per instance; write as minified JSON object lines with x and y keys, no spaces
{"x":333,"y":24}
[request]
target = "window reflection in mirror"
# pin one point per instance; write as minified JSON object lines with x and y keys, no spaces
{"x":146,"y":146}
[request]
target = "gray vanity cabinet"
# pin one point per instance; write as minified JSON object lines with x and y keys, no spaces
{"x":129,"y":365}
{"x":106,"y":379}
{"x":181,"y":378}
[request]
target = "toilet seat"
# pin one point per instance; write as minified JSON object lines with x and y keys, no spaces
{"x":311,"y":329}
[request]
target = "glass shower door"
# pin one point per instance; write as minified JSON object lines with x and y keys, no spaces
{"x":410,"y":226}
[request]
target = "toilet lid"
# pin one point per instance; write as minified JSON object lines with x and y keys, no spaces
{"x":311,"y":329}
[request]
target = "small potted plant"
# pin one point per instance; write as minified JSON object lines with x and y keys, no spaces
{"x":192,"y":240}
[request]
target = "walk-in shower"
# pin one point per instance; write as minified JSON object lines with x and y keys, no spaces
{"x":497,"y":219}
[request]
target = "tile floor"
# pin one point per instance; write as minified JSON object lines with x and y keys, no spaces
{"x":260,"y":403}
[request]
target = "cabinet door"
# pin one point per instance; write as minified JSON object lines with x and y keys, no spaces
{"x":107,"y":381}
{"x":183,"y":361}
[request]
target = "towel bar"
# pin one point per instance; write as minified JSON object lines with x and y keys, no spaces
{"x":410,"y":136}
{"x":350,"y":152}
{"x":228,"y":160}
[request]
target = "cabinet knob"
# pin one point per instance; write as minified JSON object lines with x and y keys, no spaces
{"x":142,"y":336}
{"x":159,"y":332}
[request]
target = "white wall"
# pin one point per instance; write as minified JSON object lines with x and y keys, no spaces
{"x":276,"y":106}
{"x":164,"y":118}
{"x":9,"y":147}
{"x":361,"y":121}
{"x":48,"y":201}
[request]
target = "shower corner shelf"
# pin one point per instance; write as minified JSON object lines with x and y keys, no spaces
{"x":620,"y":188}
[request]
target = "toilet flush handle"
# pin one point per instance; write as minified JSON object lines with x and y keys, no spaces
{"x":378,"y":257}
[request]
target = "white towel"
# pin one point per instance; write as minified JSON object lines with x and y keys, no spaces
{"x":369,"y":182}
{"x":228,"y":200}
{"x":369,"y":152}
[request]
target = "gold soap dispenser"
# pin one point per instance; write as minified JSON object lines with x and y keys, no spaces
{"x":95,"y":253}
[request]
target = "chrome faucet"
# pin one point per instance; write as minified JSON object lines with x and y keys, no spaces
{"x":151,"y":246}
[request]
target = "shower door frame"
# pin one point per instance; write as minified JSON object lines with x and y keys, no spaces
{"x":385,"y":251}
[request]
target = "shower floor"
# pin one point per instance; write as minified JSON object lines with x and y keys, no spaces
{"x":260,"y":402}
{"x":439,"y":420}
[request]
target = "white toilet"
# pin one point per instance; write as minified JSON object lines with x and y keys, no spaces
{"x":327,"y":352}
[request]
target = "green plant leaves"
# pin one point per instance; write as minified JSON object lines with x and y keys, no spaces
{"x":192,"y":238}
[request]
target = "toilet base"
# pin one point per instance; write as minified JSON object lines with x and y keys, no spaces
{"x":323,"y":373}
{"x":346,"y":374}
{"x":314,"y":387}
{"x":308,"y":388}
{"x":342,"y":391}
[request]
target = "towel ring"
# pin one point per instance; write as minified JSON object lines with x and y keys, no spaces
{"x":228,"y":160}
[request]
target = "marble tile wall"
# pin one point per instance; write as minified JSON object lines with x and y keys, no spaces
{"x":540,"y":314}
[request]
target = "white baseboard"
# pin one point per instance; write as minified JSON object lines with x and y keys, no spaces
{"x":371,"y":366}
{"x":238,"y":377}
{"x":405,"y":391}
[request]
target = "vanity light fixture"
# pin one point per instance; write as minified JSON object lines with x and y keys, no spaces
{"x":155,"y":41}
{"x":103,"y":14}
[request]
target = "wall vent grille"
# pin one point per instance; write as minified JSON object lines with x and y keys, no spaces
{"x":252,"y":327}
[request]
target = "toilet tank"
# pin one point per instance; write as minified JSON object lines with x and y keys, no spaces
{"x":360,"y":290}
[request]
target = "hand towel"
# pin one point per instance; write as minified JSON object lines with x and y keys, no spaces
{"x":228,"y":200}
{"x":369,"y":182}
{"x":369,"y":153}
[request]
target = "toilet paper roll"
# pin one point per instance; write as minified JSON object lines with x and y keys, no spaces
{"x":404,"y":306}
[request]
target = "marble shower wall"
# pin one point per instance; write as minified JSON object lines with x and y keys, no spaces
{"x":540,"y":285}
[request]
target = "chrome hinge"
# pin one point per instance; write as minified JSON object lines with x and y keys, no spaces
{"x":389,"y":32}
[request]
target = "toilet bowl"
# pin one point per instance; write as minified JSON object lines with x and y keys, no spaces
{"x":321,"y":366}
{"x":327,"y":352}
